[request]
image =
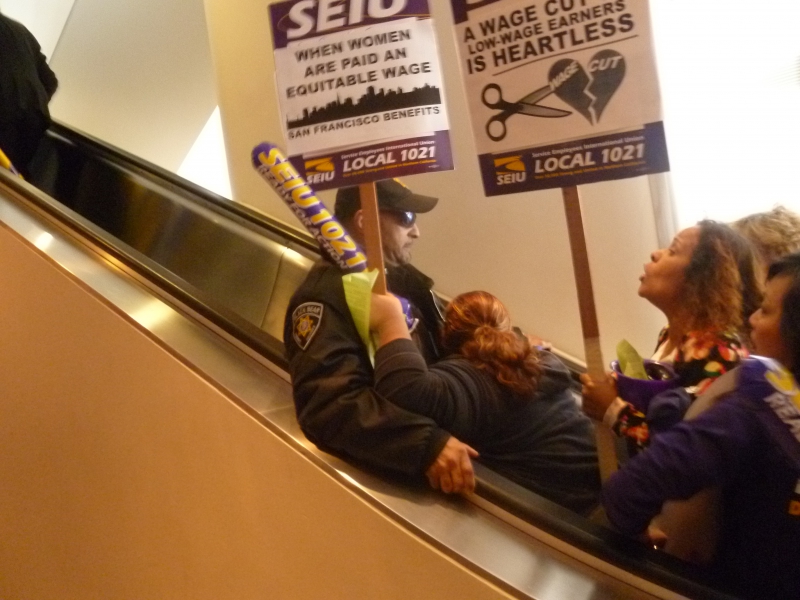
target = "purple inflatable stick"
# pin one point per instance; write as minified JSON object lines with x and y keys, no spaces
{"x":331,"y":236}
{"x":276,"y":169}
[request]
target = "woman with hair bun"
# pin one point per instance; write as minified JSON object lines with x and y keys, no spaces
{"x":495,"y":392}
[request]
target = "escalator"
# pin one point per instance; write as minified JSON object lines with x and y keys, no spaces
{"x":232,"y":271}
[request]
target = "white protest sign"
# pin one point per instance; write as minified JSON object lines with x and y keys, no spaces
{"x":361,"y":76}
{"x":561,"y":92}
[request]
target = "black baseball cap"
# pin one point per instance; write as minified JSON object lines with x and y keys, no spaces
{"x":392,"y":195}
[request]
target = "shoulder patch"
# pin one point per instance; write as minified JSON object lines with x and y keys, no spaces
{"x":306,"y":320}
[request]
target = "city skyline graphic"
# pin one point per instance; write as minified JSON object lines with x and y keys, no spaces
{"x":370,"y":102}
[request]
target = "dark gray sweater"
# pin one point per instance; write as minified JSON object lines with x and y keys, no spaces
{"x":542,"y":442}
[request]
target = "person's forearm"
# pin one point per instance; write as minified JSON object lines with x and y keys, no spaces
{"x":680,"y":462}
{"x":403,"y":377}
{"x":395,"y":329}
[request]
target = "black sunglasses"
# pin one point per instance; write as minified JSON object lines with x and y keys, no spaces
{"x":406,"y":218}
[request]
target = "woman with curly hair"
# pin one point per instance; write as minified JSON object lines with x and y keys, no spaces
{"x":495,"y":392}
{"x":705,"y":285}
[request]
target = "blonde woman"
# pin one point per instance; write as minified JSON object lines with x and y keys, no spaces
{"x":774,"y":233}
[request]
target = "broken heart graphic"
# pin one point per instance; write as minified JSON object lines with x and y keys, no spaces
{"x":588,"y":93}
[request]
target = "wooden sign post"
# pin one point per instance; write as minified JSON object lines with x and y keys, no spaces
{"x":372,"y":234}
{"x":560,"y":133}
{"x":595,"y":366}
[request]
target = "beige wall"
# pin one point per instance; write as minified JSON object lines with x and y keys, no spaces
{"x":137,"y":75}
{"x":514,"y":246}
{"x":45,"y":19}
{"x":125,"y":475}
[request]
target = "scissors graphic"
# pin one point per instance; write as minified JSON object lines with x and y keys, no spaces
{"x":492,"y":97}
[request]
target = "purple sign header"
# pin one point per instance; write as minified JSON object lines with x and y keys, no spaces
{"x":296,"y":20}
{"x":397,"y":158}
{"x":462,"y":7}
{"x":601,"y":158}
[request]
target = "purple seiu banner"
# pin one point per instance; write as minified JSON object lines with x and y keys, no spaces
{"x":302,"y":19}
{"x":589,"y":160}
{"x":385,"y":160}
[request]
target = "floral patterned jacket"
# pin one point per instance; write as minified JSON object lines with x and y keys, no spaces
{"x":701,"y":357}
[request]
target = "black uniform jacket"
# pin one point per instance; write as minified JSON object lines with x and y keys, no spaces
{"x":26,"y":86}
{"x":416,"y":287}
{"x":332,"y":379}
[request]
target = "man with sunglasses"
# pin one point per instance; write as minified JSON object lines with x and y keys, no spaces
{"x":398,"y":208}
{"x":332,"y":378}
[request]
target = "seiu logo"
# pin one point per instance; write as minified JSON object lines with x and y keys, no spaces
{"x":509,"y":169}
{"x":310,"y":16}
{"x":319,"y":170}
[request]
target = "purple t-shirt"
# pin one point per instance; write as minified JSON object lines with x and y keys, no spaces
{"x":747,"y":445}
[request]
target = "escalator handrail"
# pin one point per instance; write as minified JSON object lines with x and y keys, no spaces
{"x":175,"y":287}
{"x":234,"y":210}
{"x":601,"y":542}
